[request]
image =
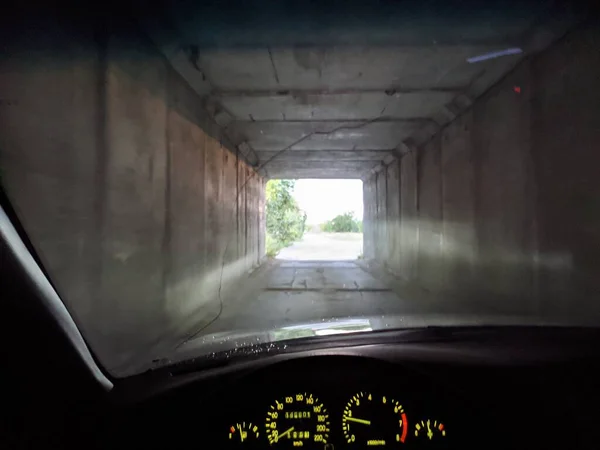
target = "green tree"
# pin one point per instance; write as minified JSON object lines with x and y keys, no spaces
{"x":344,"y":223}
{"x":285,"y":222}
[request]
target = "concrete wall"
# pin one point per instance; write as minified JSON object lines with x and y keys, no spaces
{"x":134,"y":204}
{"x":502,"y":207}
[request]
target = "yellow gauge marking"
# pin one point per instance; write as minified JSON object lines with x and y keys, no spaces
{"x":243,"y":430}
{"x":279,"y":436}
{"x":300,"y":406}
{"x":354,"y":419}
{"x":427,"y":425}
{"x":384,"y":400}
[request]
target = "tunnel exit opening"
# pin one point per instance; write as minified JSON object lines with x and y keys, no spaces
{"x":314,"y":219}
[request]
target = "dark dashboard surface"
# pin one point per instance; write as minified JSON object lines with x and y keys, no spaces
{"x":363,"y":400}
{"x":335,"y":402}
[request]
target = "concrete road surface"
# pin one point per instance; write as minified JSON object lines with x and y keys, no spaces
{"x":287,"y":292}
{"x":282,"y":294}
{"x":324,"y":247}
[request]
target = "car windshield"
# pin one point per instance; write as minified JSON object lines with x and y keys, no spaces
{"x":207,"y":176}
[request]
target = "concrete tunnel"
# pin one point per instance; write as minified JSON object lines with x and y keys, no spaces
{"x":135,"y":155}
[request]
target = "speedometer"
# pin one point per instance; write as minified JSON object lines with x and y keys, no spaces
{"x":295,"y":420}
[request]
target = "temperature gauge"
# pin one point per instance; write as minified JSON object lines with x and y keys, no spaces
{"x":430,"y":429}
{"x":242,"y":432}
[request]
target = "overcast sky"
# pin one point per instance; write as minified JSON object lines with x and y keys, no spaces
{"x":324,"y":199}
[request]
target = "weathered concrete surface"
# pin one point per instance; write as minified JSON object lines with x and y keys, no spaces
{"x":324,"y":247}
{"x":125,"y":186}
{"x":330,"y":135}
{"x":395,"y":75}
{"x":289,"y":292}
{"x":325,"y":155}
{"x":145,"y":215}
{"x":344,"y":106}
{"x":292,"y":293}
{"x":501,"y":207}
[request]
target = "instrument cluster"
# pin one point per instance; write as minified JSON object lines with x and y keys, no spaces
{"x":367,"y":419}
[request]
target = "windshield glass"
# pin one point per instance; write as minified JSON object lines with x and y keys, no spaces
{"x":200,"y":178}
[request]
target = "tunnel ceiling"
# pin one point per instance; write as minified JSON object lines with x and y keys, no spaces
{"x":341,"y":105}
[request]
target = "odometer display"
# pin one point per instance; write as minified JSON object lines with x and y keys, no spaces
{"x":293,"y":421}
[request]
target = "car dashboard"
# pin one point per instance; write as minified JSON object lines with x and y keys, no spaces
{"x":357,"y":404}
{"x":362,"y":397}
{"x":321,"y":403}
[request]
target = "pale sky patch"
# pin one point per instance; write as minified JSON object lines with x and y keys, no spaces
{"x":322,"y":200}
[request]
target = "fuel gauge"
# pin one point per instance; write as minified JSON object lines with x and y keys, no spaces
{"x":243,"y":432}
{"x":430,"y":429}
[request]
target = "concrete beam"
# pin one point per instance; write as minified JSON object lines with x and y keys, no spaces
{"x":326,"y":155}
{"x":367,"y":135}
{"x":313,"y":173}
{"x":425,"y":133}
{"x":388,"y":159}
{"x":324,"y":123}
{"x":167,"y":39}
{"x":300,"y":93}
{"x":248,"y":153}
{"x":360,"y":166}
{"x":357,"y":105}
{"x":406,"y":146}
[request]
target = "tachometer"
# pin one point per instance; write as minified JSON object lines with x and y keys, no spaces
{"x":373,"y":421}
{"x":296,"y":420}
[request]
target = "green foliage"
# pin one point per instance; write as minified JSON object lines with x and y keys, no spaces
{"x":344,"y":223}
{"x":285,"y":222}
{"x":272,"y":246}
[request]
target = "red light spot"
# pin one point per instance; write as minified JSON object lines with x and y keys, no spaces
{"x":517,"y":89}
{"x":232,"y":430}
{"x":441,"y":426}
